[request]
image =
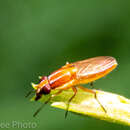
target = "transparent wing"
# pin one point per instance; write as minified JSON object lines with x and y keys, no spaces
{"x":93,"y":66}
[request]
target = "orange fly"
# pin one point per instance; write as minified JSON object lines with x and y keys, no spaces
{"x":72,"y":75}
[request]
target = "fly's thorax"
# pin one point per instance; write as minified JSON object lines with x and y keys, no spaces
{"x":62,"y":76}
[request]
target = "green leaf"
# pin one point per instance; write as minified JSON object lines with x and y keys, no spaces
{"x":117,"y":107}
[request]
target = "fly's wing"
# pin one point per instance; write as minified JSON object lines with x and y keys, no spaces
{"x":93,"y":66}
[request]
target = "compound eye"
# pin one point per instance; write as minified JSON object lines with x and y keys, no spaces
{"x":46,"y":89}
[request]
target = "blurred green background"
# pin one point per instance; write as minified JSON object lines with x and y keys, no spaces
{"x":37,"y":37}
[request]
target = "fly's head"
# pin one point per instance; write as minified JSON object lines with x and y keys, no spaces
{"x":42,"y":88}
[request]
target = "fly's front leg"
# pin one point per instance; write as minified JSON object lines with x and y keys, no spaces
{"x":52,"y":96}
{"x":95,"y":95}
{"x":65,"y":87}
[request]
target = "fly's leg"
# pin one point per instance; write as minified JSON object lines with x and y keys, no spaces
{"x":75,"y":91}
{"x":29,"y":93}
{"x":52,"y":96}
{"x":95,"y":96}
{"x":65,"y":87}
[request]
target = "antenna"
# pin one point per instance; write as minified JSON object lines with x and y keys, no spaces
{"x":29,"y":93}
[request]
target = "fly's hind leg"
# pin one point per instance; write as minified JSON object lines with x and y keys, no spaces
{"x":75,"y":91}
{"x":95,"y":96}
